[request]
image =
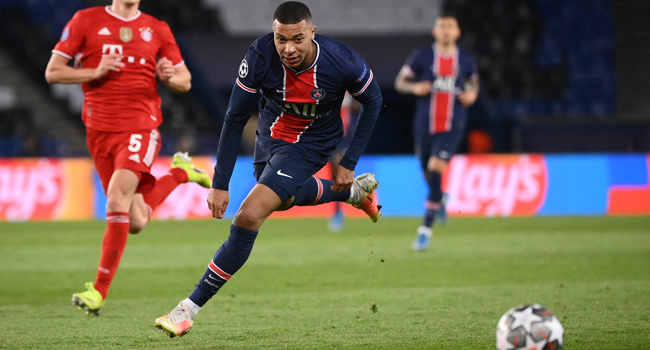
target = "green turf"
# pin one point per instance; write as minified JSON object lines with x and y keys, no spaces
{"x":306,"y":288}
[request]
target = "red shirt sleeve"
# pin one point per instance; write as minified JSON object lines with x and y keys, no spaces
{"x":72,"y":37}
{"x":168,"y":47}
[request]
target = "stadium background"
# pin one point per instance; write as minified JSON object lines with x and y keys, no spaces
{"x":563,"y":103}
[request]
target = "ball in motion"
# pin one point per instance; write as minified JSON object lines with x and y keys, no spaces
{"x":529,"y":327}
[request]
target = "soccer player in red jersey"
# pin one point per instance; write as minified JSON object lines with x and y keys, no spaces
{"x":445,"y":80}
{"x":118,"y":51}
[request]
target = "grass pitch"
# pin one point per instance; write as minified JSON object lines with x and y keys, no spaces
{"x":307,"y":288}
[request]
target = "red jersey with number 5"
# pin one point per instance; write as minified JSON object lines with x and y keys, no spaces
{"x":126,"y":100}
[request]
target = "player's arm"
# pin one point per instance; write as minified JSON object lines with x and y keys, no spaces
{"x":405,"y":83}
{"x":58,"y":71}
{"x":178,"y":79}
{"x":470,"y":94}
{"x":239,"y":111}
{"x":371,"y":101}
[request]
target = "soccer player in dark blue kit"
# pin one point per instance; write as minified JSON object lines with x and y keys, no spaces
{"x":445,"y":80}
{"x":303,"y":78}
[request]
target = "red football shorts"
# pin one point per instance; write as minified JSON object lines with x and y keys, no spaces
{"x":133,"y":150}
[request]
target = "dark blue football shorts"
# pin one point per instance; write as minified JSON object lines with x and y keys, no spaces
{"x":288,"y":168}
{"x":442,"y":145}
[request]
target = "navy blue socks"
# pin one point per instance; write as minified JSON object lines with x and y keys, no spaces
{"x":435,"y":187}
{"x":433,"y":199}
{"x":229,"y":259}
{"x":318,"y":191}
{"x":429,"y":217}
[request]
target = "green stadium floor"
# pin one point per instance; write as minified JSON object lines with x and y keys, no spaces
{"x":307,"y":288}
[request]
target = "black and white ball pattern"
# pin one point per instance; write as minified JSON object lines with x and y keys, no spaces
{"x":529,"y":327}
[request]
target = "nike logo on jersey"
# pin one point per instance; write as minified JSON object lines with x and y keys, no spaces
{"x":281,"y":91}
{"x":104,"y":31}
{"x":210,"y":275}
{"x":283,"y":174}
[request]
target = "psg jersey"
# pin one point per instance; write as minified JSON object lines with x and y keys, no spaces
{"x":303,"y":106}
{"x":441,"y":111}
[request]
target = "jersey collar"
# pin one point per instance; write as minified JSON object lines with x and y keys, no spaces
{"x":122,"y":18}
{"x":443,"y":54}
{"x":312,"y":65}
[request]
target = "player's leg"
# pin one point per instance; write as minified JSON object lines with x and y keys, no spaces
{"x":152,"y":192}
{"x":424,"y":231}
{"x":287,"y":168}
{"x":316,"y":191}
{"x":139,"y":214}
{"x":272,"y":192}
{"x":436,"y":197}
{"x":442,"y":146}
{"x":230,"y":257}
{"x":121,"y":189}
{"x":145,"y":203}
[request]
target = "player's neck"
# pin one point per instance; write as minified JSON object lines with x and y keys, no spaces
{"x":309,"y":60}
{"x":446,"y":48}
{"x":125,"y":11}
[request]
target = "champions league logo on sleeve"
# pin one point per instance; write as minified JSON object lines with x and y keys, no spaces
{"x":317,"y":94}
{"x":363,"y":74}
{"x":243,"y":69}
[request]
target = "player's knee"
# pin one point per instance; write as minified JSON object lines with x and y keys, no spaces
{"x":286,"y":205}
{"x":437,"y":165}
{"x":117,"y":203}
{"x":247,"y":220}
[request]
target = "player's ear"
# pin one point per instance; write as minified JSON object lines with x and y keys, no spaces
{"x":313,"y":32}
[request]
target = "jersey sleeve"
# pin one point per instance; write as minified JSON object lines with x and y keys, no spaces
{"x":169,"y":47}
{"x":359,"y":75}
{"x":472,"y":71}
{"x":413,"y":64}
{"x":72,"y":37}
{"x":251,"y":70}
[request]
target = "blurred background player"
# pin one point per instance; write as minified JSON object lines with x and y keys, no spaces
{"x":349,"y":113}
{"x":303,"y":78}
{"x":445,"y":80}
{"x":115,"y":50}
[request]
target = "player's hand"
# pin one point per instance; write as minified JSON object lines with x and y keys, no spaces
{"x":422,"y":88}
{"x":165,"y":69}
{"x":218,"y":202}
{"x":343,"y":179}
{"x":109,"y":63}
{"x":467,"y":98}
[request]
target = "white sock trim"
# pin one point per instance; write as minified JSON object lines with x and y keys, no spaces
{"x":428,"y":231}
{"x":353,"y":190}
{"x":189,"y":303}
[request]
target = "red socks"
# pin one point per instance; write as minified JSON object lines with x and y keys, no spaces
{"x":117,"y":230}
{"x":164,"y":186}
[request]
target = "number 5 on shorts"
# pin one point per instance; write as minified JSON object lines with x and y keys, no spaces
{"x":134,"y":143}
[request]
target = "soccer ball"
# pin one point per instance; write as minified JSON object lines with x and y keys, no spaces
{"x":529,"y":327}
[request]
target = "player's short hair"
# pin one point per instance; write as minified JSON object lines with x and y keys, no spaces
{"x":292,"y":12}
{"x":447,"y":15}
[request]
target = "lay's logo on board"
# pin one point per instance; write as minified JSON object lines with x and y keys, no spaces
{"x":512,"y":185}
